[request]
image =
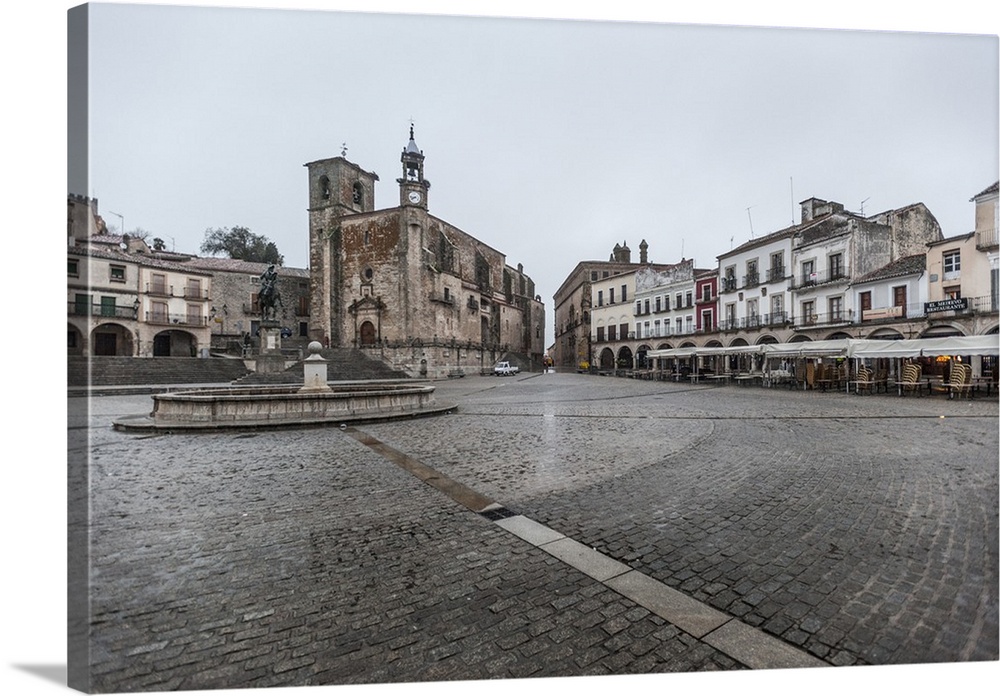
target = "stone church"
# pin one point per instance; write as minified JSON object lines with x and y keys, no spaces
{"x":407,"y":287}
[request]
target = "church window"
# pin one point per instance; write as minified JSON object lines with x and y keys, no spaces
{"x":324,"y":187}
{"x":446,"y":253}
{"x":482,"y":274}
{"x":359,"y":193}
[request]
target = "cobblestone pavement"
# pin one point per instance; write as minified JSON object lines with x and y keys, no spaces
{"x":856,"y":529}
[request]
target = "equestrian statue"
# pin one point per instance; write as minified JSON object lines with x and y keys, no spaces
{"x":268,"y":296}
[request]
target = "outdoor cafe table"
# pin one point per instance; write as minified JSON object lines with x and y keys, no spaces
{"x":980,"y":381}
{"x":744,"y":379}
{"x":775,"y":377}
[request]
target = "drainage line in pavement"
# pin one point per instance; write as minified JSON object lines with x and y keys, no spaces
{"x":866,"y":418}
{"x":747,"y":645}
{"x":453,"y":489}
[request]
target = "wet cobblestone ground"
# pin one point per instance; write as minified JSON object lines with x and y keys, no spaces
{"x":859,"y":529}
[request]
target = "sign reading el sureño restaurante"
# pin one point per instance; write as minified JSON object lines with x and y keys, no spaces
{"x":946,"y":305}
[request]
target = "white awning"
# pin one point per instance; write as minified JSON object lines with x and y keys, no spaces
{"x":929,"y":347}
{"x":808,"y":349}
{"x":704,"y":351}
{"x":850,"y":347}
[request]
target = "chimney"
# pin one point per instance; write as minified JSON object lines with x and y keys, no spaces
{"x":643,"y":252}
{"x":815,"y":207}
{"x":809,"y":208}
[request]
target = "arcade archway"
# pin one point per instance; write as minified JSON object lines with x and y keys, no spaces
{"x":111,"y":339}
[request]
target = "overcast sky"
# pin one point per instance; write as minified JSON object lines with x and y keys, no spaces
{"x":548,"y":140}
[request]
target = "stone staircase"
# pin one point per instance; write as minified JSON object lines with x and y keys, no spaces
{"x":108,"y":371}
{"x":344,"y":364}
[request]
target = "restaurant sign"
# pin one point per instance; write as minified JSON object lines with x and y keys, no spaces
{"x":948,"y":305}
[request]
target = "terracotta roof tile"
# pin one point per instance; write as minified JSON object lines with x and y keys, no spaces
{"x":775,"y":236}
{"x":990,"y":189}
{"x":220,"y":263}
{"x":908,"y":265}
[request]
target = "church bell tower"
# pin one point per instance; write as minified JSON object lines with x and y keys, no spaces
{"x":413,"y":186}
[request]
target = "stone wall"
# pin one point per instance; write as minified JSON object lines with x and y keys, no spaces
{"x":440,"y":361}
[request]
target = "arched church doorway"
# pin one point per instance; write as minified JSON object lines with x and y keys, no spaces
{"x":367,"y":332}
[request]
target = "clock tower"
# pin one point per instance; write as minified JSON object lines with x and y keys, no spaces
{"x":413,"y":186}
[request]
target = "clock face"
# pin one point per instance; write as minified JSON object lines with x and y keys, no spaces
{"x":414,"y":197}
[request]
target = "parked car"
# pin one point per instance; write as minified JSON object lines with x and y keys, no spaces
{"x":504,"y":368}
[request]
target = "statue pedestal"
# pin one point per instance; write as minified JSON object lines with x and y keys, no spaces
{"x":314,"y":370}
{"x":270,"y":360}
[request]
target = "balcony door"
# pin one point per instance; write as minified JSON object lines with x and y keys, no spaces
{"x":899,"y":299}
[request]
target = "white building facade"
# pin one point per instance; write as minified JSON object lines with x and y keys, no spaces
{"x":754,"y":283}
{"x":665,"y":302}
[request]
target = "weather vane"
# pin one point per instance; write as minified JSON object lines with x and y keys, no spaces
{"x":343,"y":150}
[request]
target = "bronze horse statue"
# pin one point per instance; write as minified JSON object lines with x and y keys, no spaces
{"x":268,"y":296}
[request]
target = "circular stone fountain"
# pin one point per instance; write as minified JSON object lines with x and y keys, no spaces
{"x":316,"y":402}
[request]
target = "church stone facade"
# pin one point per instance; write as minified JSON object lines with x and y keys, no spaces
{"x":408,"y":287}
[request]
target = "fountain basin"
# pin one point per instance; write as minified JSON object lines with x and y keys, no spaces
{"x":285,"y":406}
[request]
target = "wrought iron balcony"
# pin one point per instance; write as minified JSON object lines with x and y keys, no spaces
{"x":171,"y":319}
{"x":824,"y":319}
{"x":98,"y":310}
{"x":755,"y":321}
{"x":805,"y":280}
{"x":195,"y":293}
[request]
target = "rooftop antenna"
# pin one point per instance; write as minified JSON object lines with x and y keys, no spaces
{"x":791,"y":193}
{"x":119,"y":215}
{"x":751,"y":221}
{"x":863,"y":206}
